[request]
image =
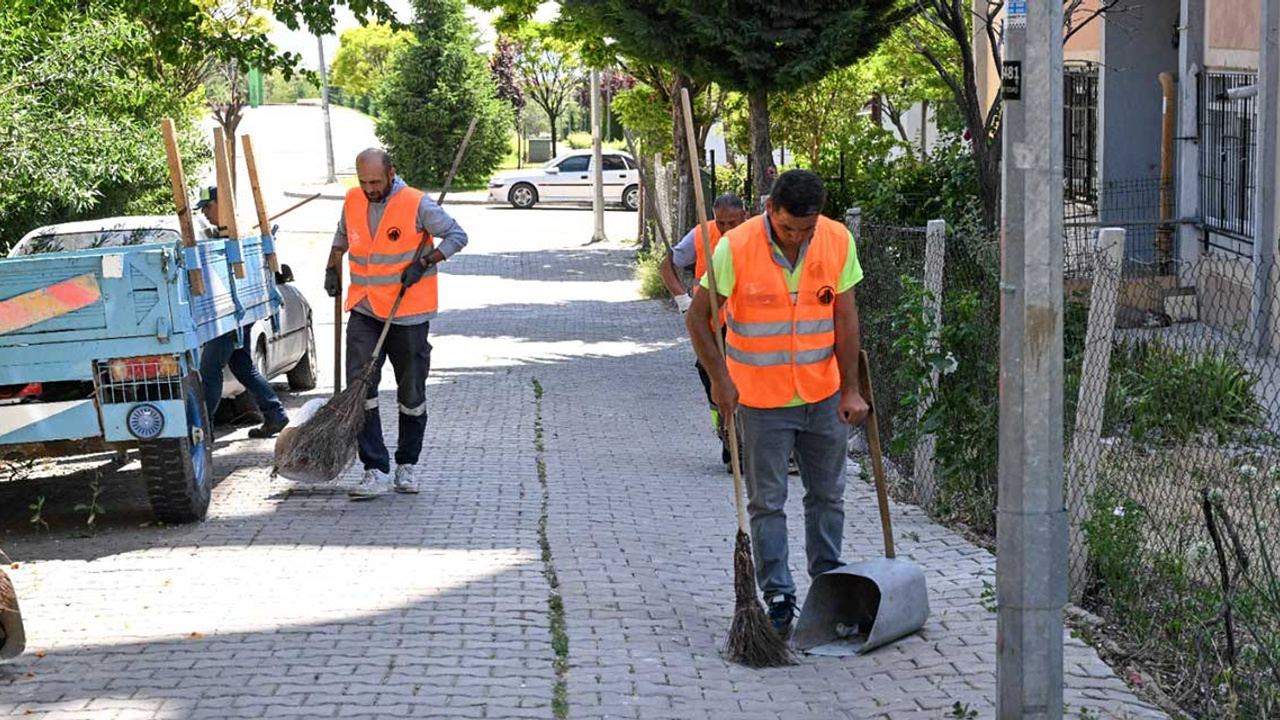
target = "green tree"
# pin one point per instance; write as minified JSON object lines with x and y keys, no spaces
{"x":549,"y":71}
{"x":226,"y":81}
{"x":80,"y":119}
{"x":436,"y":86}
{"x":364,"y":57}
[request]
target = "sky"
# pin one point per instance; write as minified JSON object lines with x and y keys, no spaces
{"x":304,"y":44}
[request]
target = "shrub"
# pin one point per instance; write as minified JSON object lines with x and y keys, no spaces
{"x":579,"y":140}
{"x":647,"y":274}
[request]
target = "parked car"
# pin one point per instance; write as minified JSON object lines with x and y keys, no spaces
{"x":286,"y":347}
{"x":567,"y":179}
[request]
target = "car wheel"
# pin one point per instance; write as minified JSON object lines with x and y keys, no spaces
{"x":631,"y":197}
{"x":523,"y":196}
{"x":179,"y":471}
{"x":303,"y":375}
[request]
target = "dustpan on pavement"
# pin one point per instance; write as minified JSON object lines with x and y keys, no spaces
{"x":857,"y":608}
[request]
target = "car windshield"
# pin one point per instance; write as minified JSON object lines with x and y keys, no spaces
{"x":109,"y":237}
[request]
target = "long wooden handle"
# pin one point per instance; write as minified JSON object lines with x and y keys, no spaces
{"x":178,"y":182}
{"x":457,"y":160}
{"x":730,"y":424}
{"x":226,"y":194}
{"x":264,"y":222}
{"x":335,"y":259}
{"x":877,"y":460}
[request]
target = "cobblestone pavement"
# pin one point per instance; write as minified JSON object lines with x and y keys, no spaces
{"x":291,"y":601}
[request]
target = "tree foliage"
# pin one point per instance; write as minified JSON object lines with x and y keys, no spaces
{"x":502,"y":67}
{"x":549,"y":71}
{"x":80,"y":115}
{"x":364,"y":57}
{"x":436,"y":86}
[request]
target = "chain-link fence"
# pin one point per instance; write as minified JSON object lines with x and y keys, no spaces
{"x":1172,"y":439}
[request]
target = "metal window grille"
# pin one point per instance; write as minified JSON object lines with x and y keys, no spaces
{"x":152,"y":384}
{"x":1080,"y":128}
{"x":1228,"y":158}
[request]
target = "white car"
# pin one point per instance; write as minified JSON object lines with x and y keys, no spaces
{"x":289,"y":349}
{"x":567,"y":179}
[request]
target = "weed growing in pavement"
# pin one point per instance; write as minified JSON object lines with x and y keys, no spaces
{"x":651,"y":285}
{"x":555,"y":604}
{"x":961,"y":710}
{"x":988,"y":599}
{"x":37,"y":514}
{"x":93,"y":508}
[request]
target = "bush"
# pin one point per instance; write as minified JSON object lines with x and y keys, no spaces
{"x":651,"y":285}
{"x":579,"y":140}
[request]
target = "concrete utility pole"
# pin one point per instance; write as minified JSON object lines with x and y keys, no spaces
{"x":1266,"y":228}
{"x":597,"y":170}
{"x":324,"y":105}
{"x":1191,"y":62}
{"x":1031,"y":557}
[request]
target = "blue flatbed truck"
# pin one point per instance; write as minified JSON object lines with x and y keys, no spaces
{"x":100,"y":351}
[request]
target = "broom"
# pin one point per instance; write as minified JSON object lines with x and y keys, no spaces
{"x":752,"y":641}
{"x":324,"y":445}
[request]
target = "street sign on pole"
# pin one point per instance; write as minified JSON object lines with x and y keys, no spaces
{"x":324,"y":105}
{"x":1031,"y":555}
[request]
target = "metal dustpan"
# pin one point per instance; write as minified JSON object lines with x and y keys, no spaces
{"x":12,"y":637}
{"x":857,"y":608}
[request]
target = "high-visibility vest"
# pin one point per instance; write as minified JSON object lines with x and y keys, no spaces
{"x":778,"y":349}
{"x":700,"y":266}
{"x":376,"y":261}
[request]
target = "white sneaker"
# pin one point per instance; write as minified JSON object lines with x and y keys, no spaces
{"x":373,"y":484}
{"x":405,"y":482}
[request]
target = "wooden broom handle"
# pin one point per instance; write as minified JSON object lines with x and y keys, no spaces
{"x":178,"y":183}
{"x":264,"y":222}
{"x":877,"y":460}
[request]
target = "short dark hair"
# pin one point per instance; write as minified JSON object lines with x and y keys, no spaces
{"x":799,"y":192}
{"x":378,"y":155}
{"x":728,"y":200}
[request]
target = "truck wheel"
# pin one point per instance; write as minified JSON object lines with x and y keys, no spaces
{"x":179,"y":471}
{"x":303,"y":375}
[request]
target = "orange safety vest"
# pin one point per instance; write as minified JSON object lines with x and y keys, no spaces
{"x":778,"y":348}
{"x":700,"y":267}
{"x":376,"y":261}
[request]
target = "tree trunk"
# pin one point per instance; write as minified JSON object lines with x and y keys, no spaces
{"x":987,"y":159}
{"x":552,"y":119}
{"x":761,"y":144}
{"x":686,"y":202}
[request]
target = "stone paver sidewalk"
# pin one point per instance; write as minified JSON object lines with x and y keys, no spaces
{"x":292,"y":601}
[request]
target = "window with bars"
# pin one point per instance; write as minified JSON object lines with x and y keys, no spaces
{"x":1080,"y":130}
{"x":1228,"y":158}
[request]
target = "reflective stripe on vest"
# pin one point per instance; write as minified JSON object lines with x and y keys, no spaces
{"x":781,"y":345}
{"x":377,"y":261}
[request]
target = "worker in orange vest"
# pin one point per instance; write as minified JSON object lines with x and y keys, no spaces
{"x":786,"y":279}
{"x":383,"y":221}
{"x":730,"y":212}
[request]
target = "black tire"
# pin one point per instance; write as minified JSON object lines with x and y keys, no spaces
{"x":631,"y":198}
{"x":178,"y":473}
{"x":523,"y":196}
{"x":303,"y":375}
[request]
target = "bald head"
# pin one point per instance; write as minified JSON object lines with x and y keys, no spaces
{"x":376,"y":173}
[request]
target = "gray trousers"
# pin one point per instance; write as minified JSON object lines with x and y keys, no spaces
{"x":815,"y":432}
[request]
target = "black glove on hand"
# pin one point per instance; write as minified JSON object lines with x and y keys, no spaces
{"x":332,"y":284}
{"x":414,"y":272}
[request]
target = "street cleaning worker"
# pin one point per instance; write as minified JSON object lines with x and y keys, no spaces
{"x":382,"y":223}
{"x":729,"y":212}
{"x":229,"y":351}
{"x":786,"y":280}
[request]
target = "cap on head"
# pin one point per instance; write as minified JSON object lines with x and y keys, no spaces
{"x":207,"y":195}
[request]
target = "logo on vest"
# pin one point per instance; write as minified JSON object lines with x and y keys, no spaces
{"x":394,"y":234}
{"x":826,"y":295}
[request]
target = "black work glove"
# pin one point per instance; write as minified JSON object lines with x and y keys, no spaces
{"x":414,"y":272}
{"x":332,"y":283}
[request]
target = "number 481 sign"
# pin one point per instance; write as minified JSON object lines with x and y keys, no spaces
{"x":1011,"y":80}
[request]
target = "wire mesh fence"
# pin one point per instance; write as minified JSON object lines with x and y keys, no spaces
{"x":1172,"y":439}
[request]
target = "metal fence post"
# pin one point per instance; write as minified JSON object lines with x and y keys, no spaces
{"x":853,"y":221}
{"x":1031,"y":557}
{"x":1082,"y":461}
{"x":926,"y":445}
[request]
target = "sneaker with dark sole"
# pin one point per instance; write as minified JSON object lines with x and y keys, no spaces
{"x":782,"y":611}
{"x":269,"y":429}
